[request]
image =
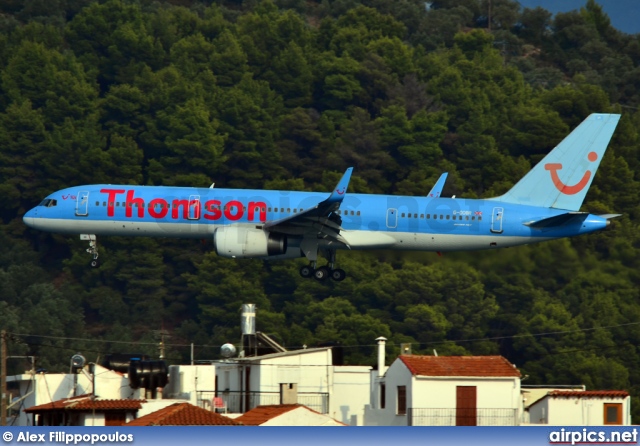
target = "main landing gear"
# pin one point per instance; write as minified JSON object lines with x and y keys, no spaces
{"x":324,"y":272}
{"x":92,"y":249}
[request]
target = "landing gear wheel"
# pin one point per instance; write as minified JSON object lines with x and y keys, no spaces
{"x":93,"y":248}
{"x":338,"y":275}
{"x":306,"y":271}
{"x":321,"y":273}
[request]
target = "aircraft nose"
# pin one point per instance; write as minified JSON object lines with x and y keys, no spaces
{"x":30,"y":217}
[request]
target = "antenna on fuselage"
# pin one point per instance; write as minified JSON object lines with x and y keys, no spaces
{"x":212,"y":185}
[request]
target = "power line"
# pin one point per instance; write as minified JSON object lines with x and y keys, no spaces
{"x":446,"y":341}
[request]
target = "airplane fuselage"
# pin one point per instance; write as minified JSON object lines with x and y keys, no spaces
{"x":368,"y":221}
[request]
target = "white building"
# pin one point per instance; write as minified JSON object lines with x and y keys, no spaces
{"x":35,"y":389}
{"x":446,"y":391}
{"x":306,"y":377}
{"x":581,"y":408}
{"x":186,"y":381}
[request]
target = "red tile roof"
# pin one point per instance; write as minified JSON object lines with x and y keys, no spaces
{"x":481,"y":366}
{"x":588,"y":394}
{"x":183,"y":414}
{"x":262,"y":414}
{"x":85,"y":402}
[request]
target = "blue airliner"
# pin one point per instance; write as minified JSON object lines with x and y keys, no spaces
{"x":543,"y":205}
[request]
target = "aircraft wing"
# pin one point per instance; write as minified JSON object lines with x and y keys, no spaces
{"x":436,"y":190}
{"x":320,"y":220}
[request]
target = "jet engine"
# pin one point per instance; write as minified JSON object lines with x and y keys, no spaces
{"x":243,"y":243}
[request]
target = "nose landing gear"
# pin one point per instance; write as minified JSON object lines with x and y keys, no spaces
{"x":92,"y":249}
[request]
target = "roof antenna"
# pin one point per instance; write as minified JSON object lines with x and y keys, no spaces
{"x":435,"y":353}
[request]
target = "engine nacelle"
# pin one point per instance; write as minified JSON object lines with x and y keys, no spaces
{"x":243,"y":243}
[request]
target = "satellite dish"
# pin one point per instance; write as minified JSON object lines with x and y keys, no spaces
{"x":228,"y":350}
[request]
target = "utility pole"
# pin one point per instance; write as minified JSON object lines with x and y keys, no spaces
{"x":3,"y":378}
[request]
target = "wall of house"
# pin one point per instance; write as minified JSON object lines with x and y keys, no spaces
{"x":312,"y":371}
{"x":396,"y":375}
{"x":498,"y":400}
{"x":350,"y":394}
{"x":499,"y":397}
{"x":194,"y":383}
{"x":47,"y":387}
{"x":575,"y":411}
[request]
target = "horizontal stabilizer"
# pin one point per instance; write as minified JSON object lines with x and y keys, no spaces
{"x":558,"y":220}
{"x":610,"y":216}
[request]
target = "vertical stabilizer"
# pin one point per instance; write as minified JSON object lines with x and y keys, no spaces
{"x":561,"y":180}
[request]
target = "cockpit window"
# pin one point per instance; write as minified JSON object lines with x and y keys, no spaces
{"x":49,"y":202}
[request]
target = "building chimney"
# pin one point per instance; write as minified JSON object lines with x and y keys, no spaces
{"x":381,"y":354}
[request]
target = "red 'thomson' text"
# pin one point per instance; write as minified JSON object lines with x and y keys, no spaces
{"x":191,"y":208}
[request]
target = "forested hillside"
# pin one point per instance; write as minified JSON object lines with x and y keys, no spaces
{"x":287,"y":94}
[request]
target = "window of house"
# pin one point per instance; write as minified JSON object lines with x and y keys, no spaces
{"x":402,"y":400}
{"x":383,"y":395}
{"x":613,"y":413}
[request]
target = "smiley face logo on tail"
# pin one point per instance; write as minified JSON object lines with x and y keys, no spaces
{"x":340,"y":191}
{"x":565,"y":188}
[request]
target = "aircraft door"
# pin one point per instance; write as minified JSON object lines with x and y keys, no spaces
{"x":496,"y":220}
{"x":82,"y":204}
{"x":194,"y":207}
{"x":392,"y":218}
